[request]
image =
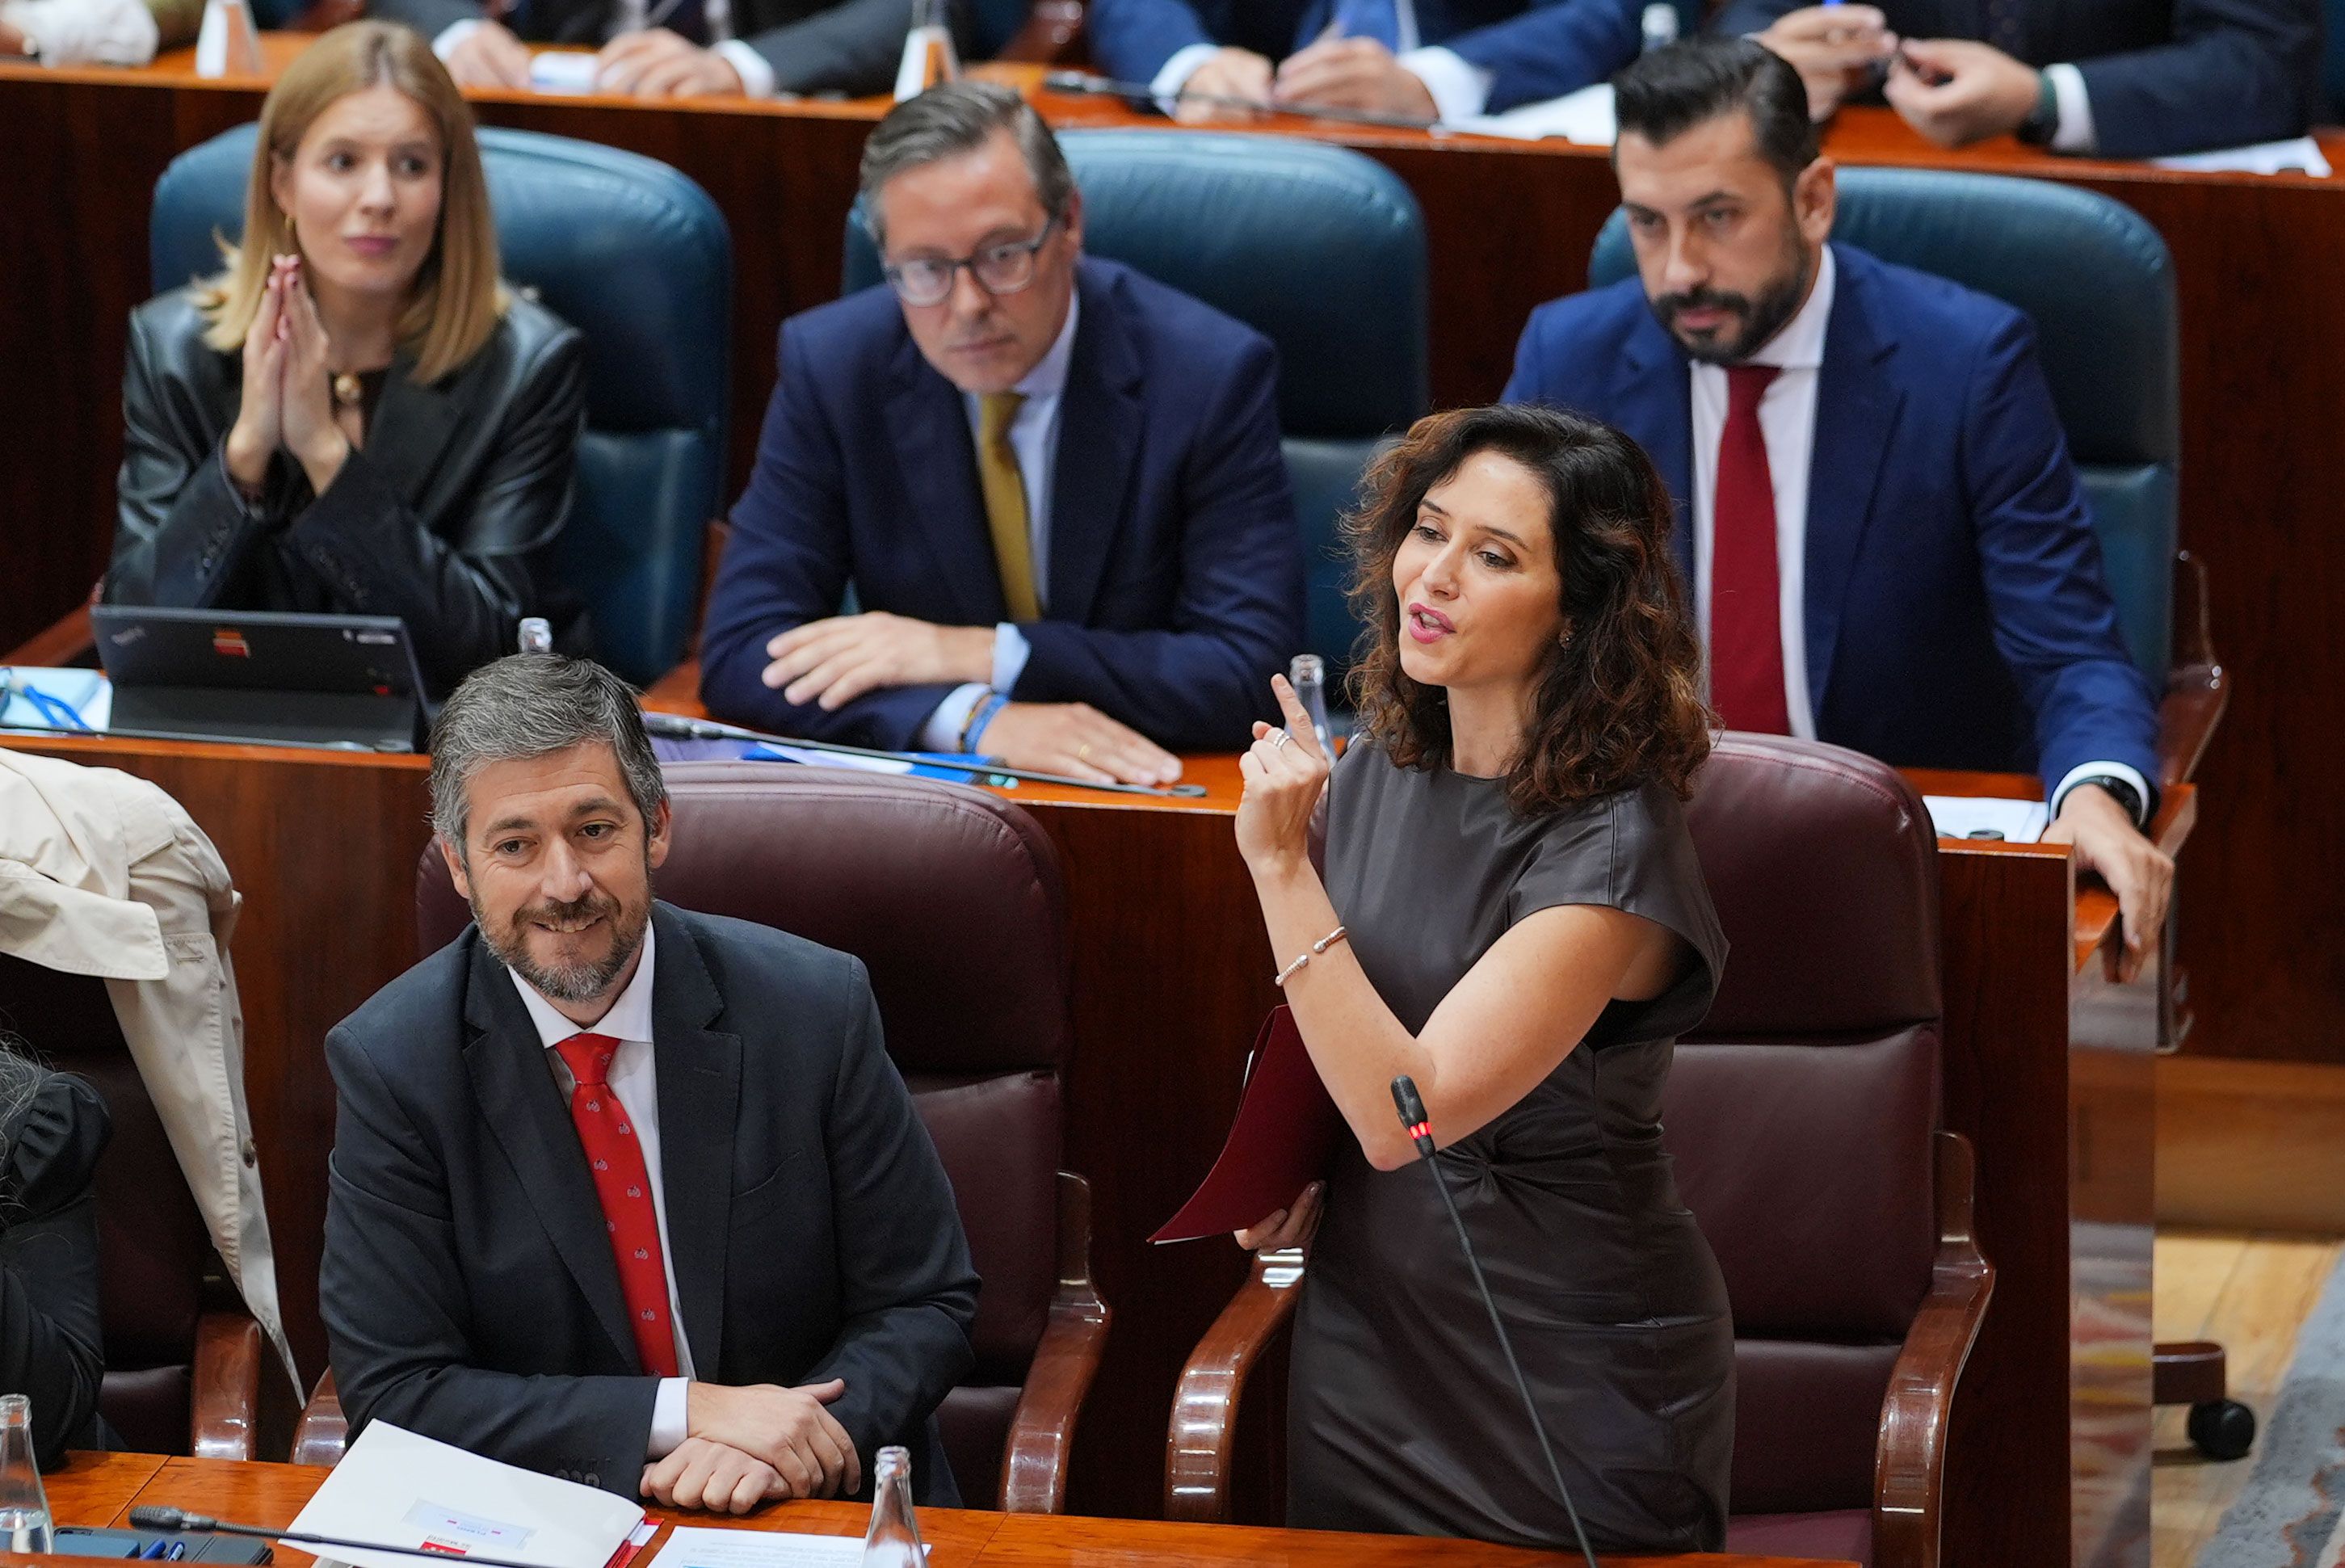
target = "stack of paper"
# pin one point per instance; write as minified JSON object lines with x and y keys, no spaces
{"x":1987,"y":817}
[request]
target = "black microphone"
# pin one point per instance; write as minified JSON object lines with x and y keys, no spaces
{"x":1420,"y":1131}
{"x":173,"y":1520}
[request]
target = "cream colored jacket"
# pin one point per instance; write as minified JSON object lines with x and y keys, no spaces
{"x":103,"y":875}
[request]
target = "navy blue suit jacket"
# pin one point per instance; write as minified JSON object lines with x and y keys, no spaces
{"x":1957,"y":615}
{"x":1534,"y":49}
{"x":2162,"y":75}
{"x":1176,"y":569}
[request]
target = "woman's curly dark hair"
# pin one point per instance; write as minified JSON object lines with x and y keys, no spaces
{"x":1621,"y":704}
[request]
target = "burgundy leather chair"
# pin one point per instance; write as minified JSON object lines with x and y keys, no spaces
{"x":182,"y":1355}
{"x":1804,"y":1119}
{"x":952,"y":899}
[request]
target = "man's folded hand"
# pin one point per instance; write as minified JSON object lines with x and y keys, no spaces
{"x":787,"y":1429}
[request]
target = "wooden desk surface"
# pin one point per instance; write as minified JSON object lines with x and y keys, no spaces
{"x":91,"y":1492}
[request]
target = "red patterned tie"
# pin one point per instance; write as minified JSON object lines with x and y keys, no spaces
{"x":1746,"y":625}
{"x":624,"y":1189}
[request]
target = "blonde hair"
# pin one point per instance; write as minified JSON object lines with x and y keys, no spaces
{"x":457,"y":299}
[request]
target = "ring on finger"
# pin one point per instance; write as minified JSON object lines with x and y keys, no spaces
{"x":1279,"y":738}
{"x":1083,"y":752}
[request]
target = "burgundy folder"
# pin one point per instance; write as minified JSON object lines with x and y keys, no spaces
{"x":1277,"y":1146}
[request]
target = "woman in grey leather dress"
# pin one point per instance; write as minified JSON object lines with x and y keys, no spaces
{"x":1528,"y":931}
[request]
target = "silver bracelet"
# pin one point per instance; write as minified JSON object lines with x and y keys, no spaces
{"x":1322,"y":945}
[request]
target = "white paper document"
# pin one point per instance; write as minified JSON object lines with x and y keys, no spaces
{"x":1987,"y":817}
{"x":396,"y":1487}
{"x":1585,"y":116}
{"x":570,"y":71}
{"x":2298,"y":155}
{"x":86,"y":693}
{"x":689,"y":1548}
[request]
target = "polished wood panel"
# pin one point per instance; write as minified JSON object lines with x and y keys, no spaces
{"x":2252,"y":1145}
{"x":94,"y":1487}
{"x":2263,"y":361}
{"x":270,"y":1495}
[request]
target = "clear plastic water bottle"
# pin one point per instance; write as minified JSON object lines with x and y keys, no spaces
{"x":227,"y":44}
{"x":536,"y":635}
{"x":1308,"y":676}
{"x":1660,"y":26}
{"x":929,"y":59}
{"x":23,"y":1506}
{"x":894,"y":1539}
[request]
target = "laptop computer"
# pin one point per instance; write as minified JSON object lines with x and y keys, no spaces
{"x":262,"y":676}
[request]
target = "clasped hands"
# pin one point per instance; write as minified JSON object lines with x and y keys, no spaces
{"x":649,"y":63}
{"x":1331,"y":74}
{"x":1952,"y":90}
{"x":832,"y":662}
{"x":757,"y":1444}
{"x":287,"y":403}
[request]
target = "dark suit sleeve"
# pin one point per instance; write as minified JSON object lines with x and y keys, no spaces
{"x":182,"y":533}
{"x":849,"y":47}
{"x":1532,"y":357}
{"x":429,"y":17}
{"x":1238,"y":617}
{"x":1554,"y":48}
{"x":787,"y":563}
{"x":908,"y":1291}
{"x":2237,"y":72}
{"x":2055,"y":623}
{"x":1134,"y":38}
{"x":462,"y":595}
{"x":51,"y":1344}
{"x":390,"y":1287}
{"x":1744,"y":16}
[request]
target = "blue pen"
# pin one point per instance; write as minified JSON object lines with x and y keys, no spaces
{"x":178,"y":1549}
{"x":155,"y":1550}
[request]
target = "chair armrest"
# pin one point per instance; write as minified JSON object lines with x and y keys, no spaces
{"x":321,"y":1434}
{"x":1043,"y":1431}
{"x":1909,"y":1466}
{"x":1205,"y":1400}
{"x":61,"y":643}
{"x":1051,"y":36}
{"x":224,"y":1413}
{"x":2196,"y":697}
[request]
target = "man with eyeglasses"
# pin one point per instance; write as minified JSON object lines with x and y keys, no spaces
{"x":1054,"y":485}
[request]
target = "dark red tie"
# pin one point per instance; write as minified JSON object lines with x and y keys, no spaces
{"x":1746,"y":618}
{"x":624,"y":1189}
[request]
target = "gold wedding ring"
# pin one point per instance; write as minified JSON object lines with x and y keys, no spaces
{"x":1083,"y":752}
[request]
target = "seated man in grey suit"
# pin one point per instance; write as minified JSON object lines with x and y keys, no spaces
{"x":673,"y":49}
{"x":620,"y":1193}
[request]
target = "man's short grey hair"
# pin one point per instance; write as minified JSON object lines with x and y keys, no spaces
{"x":950,"y":120}
{"x":534,"y":705}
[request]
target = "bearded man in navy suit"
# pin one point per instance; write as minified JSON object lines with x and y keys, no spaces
{"x":1888,"y":544}
{"x":1054,"y":485}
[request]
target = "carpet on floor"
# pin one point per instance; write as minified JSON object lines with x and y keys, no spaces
{"x":2288,"y":1515}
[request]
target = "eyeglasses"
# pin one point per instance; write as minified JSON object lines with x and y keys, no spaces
{"x":998,"y":269}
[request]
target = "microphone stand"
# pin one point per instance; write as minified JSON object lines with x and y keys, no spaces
{"x":172,"y":1521}
{"x":1420,"y":1131}
{"x":1139,"y":95}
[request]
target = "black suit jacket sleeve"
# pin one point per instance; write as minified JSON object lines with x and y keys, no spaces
{"x":849,"y":47}
{"x":51,"y":1344}
{"x":907,"y":1293}
{"x":394,"y":1295}
{"x":462,"y":581}
{"x":429,"y":17}
{"x":2237,"y":72}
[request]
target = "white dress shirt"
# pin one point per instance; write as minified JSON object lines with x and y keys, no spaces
{"x":1459,"y":90}
{"x":634,"y":1077}
{"x":1034,"y":438}
{"x":1787,"y":425}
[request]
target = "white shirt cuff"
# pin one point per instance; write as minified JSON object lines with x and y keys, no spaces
{"x":1010,"y":652}
{"x":2102,"y":770}
{"x":942,"y":731}
{"x":668,"y":1427}
{"x":2074,"y":131}
{"x":85,"y":32}
{"x":453,"y":33}
{"x":1460,"y":90}
{"x":1176,"y":72}
{"x":757,"y":72}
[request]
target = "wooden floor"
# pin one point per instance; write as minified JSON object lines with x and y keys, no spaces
{"x":2248,"y":1292}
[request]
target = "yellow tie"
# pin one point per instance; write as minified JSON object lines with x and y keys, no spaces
{"x":1005,"y":504}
